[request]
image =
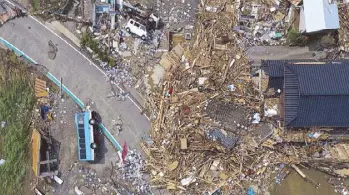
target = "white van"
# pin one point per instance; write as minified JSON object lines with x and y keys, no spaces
{"x":136,"y":28}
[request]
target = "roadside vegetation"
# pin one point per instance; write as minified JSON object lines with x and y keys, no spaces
{"x":16,"y":103}
{"x":295,"y":38}
{"x":36,"y":5}
{"x":87,"y":41}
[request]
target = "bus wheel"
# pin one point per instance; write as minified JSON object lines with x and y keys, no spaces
{"x":93,"y":145}
{"x":92,"y":121}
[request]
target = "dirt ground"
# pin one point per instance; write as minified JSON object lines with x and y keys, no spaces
{"x":62,"y":129}
{"x":87,"y":177}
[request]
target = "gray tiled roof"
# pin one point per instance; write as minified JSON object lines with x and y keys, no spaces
{"x":316,"y":95}
{"x":322,"y":111}
{"x":322,"y":79}
{"x":275,"y":68}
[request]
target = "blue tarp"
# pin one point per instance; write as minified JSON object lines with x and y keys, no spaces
{"x":102,"y":9}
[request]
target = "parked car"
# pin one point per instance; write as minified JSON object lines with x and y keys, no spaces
{"x":136,"y":28}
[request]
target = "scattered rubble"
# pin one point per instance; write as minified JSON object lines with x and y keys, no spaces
{"x":181,"y":119}
{"x":339,"y":185}
{"x":343,"y":36}
{"x":117,"y":125}
{"x":263,"y":24}
{"x":132,"y":173}
{"x":8,"y":12}
{"x":119,"y":74}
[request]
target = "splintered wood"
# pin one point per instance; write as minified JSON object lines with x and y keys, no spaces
{"x":182,"y":158}
{"x":198,"y":147}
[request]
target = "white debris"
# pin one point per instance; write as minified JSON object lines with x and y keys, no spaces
{"x":132,"y":171}
{"x":316,"y":135}
{"x":188,"y":180}
{"x":214,"y":165}
{"x":202,"y":80}
{"x":270,"y":112}
{"x":58,"y":180}
{"x":211,"y":9}
{"x":119,"y":74}
{"x":256,"y":118}
{"x":77,"y":191}
{"x":2,"y":161}
{"x":232,"y":63}
{"x":3,"y":124}
{"x":231,"y":87}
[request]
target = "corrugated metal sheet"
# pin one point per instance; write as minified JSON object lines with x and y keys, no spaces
{"x":320,"y":15}
{"x":291,"y":99}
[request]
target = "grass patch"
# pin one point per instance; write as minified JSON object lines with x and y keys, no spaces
{"x":36,"y":5}
{"x":16,"y":103}
{"x":87,"y":41}
{"x":293,"y":35}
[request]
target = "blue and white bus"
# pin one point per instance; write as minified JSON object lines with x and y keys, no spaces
{"x":87,"y":134}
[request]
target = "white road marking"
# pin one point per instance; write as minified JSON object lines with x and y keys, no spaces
{"x":91,"y":63}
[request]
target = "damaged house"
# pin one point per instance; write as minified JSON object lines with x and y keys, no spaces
{"x":103,"y":14}
{"x":313,"y":94}
{"x":317,"y":15}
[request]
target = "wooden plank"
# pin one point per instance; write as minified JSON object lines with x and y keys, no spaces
{"x":48,"y":174}
{"x":48,"y":161}
{"x":41,"y":94}
{"x":340,"y":152}
{"x":184,"y":144}
{"x":40,"y":88}
{"x":40,"y":82}
{"x":36,"y":144}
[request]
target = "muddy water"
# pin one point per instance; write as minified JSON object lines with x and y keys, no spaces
{"x":294,"y":184}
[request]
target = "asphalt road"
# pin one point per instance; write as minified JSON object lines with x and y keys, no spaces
{"x":78,"y":74}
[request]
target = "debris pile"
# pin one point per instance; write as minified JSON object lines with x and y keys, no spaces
{"x":8,"y":12}
{"x":196,"y":132}
{"x":87,"y":181}
{"x":132,"y":173}
{"x":339,"y":185}
{"x":120,"y":74}
{"x":263,"y":23}
{"x":343,"y":35}
{"x":212,"y":129}
{"x":177,"y":14}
